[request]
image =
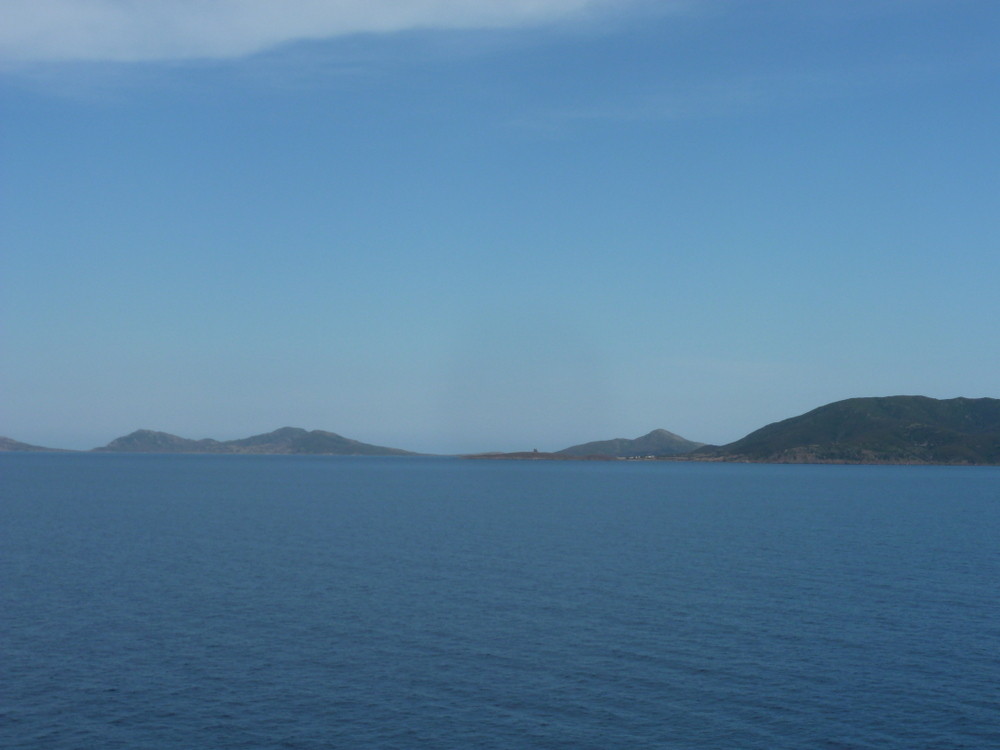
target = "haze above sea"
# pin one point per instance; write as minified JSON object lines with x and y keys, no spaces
{"x":151,"y":601}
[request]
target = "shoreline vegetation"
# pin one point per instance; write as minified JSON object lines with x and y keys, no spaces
{"x":891,"y":430}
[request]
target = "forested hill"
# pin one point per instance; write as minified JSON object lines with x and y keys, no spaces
{"x":892,"y":429}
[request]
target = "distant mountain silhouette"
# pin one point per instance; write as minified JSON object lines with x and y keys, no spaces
{"x":6,"y":444}
{"x":149,"y":441}
{"x":287,"y":441}
{"x":655,"y":443}
{"x":891,"y":429}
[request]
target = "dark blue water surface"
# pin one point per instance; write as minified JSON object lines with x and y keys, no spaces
{"x":314,"y":602}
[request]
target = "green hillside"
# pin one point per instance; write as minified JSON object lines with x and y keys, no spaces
{"x":892,"y":429}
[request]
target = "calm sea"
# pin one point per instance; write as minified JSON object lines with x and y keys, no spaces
{"x":312,"y":602}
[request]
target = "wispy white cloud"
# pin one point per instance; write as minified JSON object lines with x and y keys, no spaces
{"x":134,"y":30}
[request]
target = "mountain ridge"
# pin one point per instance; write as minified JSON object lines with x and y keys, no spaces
{"x":882,"y":429}
{"x":283,"y":441}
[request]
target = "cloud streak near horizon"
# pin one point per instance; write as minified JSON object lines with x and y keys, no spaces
{"x":127,"y":31}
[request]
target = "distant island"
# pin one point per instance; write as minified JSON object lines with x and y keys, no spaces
{"x":882,"y":430}
{"x":284,"y":441}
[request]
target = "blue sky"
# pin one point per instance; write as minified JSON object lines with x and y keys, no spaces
{"x":460,"y":226}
